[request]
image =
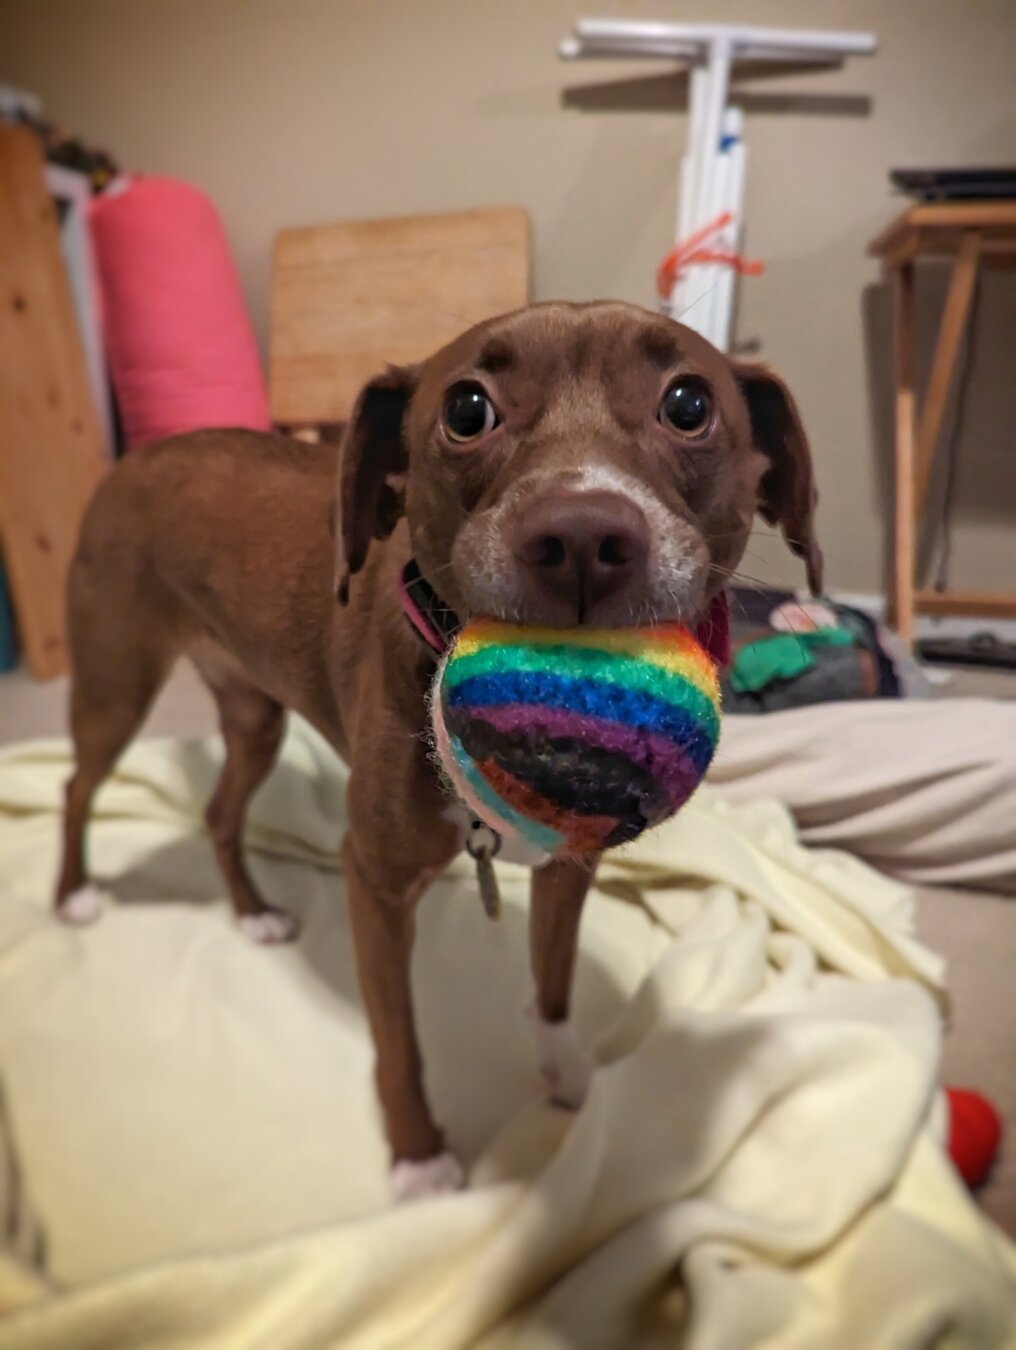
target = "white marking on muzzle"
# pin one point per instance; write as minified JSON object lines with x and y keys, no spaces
{"x":676,"y":580}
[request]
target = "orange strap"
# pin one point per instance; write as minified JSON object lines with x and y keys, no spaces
{"x":690,"y":250}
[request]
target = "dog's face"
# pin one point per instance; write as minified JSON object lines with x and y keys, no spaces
{"x":576,"y":464}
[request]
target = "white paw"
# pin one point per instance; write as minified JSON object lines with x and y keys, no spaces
{"x":432,"y":1176}
{"x":565,"y":1066}
{"x":269,"y":926}
{"x":82,"y":906}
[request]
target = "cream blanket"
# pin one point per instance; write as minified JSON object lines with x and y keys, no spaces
{"x":192,"y":1124}
{"x":925,"y":788}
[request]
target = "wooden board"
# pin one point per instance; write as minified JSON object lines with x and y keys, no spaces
{"x":350,"y":298}
{"x":51,"y":445}
{"x":971,"y":604}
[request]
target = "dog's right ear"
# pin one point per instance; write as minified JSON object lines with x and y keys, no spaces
{"x":372,"y":467}
{"x":787,"y":490}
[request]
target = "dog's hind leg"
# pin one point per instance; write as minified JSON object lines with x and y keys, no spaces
{"x":252,"y":727}
{"x":115,"y":679}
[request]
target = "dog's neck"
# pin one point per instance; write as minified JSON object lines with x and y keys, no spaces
{"x":437,"y":624}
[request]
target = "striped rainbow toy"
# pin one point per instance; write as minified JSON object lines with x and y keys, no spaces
{"x":574,"y":740}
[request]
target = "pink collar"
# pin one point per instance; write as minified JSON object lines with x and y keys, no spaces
{"x":437,"y":624}
{"x":714,"y":630}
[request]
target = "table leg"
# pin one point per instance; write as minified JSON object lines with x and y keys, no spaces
{"x":955,"y":317}
{"x":902,"y":596}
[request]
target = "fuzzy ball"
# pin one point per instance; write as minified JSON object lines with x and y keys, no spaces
{"x":574,"y":740}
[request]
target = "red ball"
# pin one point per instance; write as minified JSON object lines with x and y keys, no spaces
{"x":975,"y":1132}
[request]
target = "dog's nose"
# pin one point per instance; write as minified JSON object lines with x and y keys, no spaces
{"x":583,"y":555}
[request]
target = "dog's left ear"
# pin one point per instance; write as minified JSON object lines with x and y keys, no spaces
{"x":372,"y":468}
{"x":787,"y":495}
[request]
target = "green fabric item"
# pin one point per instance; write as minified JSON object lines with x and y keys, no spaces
{"x":782,"y":657}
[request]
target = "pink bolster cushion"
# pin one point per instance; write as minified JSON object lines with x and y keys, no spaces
{"x":180,"y":347}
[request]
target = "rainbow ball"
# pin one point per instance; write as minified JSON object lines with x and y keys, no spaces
{"x":574,"y":740}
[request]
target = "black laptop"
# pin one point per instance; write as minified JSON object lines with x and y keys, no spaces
{"x":955,"y":185}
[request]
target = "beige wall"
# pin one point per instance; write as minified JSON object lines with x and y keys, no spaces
{"x":294,"y":111}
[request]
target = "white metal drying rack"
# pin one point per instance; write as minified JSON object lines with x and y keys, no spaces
{"x":710,"y":198}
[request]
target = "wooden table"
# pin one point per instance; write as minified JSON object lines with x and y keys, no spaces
{"x":966,"y":233}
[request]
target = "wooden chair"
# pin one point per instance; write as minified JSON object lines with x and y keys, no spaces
{"x":348,"y":299}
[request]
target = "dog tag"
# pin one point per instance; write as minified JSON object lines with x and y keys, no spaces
{"x":483,"y":845}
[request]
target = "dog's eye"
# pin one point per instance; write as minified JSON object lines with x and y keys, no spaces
{"x":687,"y":407}
{"x":468,"y":413}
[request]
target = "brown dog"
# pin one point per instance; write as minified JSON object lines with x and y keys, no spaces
{"x":566,"y":464}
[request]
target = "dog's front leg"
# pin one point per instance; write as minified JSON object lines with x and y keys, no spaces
{"x":557,"y":895}
{"x":383,"y":893}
